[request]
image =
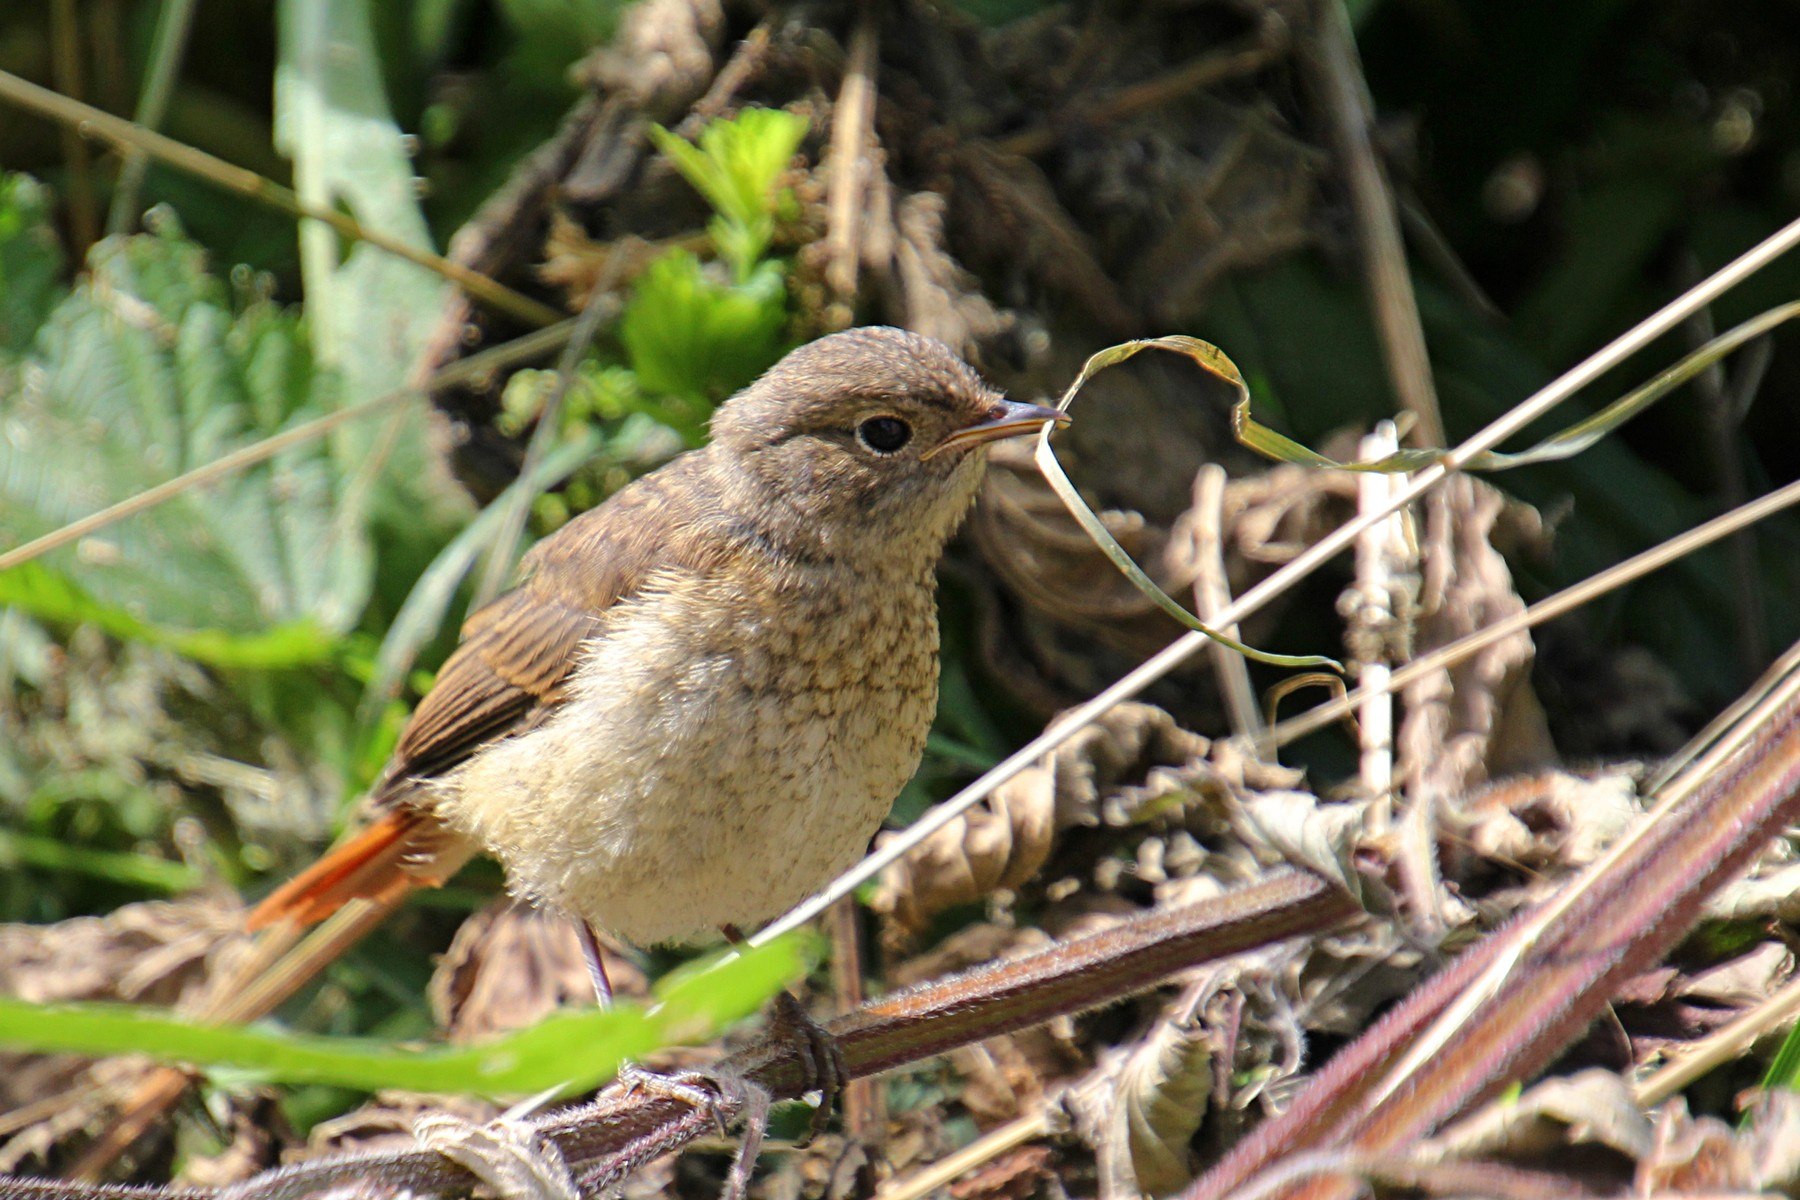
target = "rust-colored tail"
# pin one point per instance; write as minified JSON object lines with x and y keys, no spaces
{"x":372,"y":865}
{"x":352,"y":889}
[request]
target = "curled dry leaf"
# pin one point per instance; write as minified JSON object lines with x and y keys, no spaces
{"x":1158,"y":1097}
{"x":511,"y":965}
{"x":1592,"y":1106}
{"x":1548,"y":821}
{"x":1114,"y":772}
{"x":1478,"y":719}
{"x":1692,"y":1154}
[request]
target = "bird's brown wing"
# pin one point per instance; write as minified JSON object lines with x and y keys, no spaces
{"x":518,"y":653}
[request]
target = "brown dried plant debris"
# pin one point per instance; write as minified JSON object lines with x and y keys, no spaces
{"x":160,"y":953}
{"x":510,"y":965}
{"x":1479,"y":719}
{"x":1116,"y":772}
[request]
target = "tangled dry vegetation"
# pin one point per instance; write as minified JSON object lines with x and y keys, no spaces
{"x":956,"y":185}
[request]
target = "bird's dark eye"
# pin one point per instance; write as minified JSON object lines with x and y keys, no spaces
{"x":884,"y":435}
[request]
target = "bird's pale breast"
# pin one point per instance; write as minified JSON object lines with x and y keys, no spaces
{"x":730,"y":743}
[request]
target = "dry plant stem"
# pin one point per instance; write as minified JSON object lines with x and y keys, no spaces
{"x":1615,"y":921}
{"x":1212,"y":595}
{"x":621,"y":1130}
{"x":865,"y":1105}
{"x":65,"y":48}
{"x":1244,"y":57}
{"x":174,"y":20}
{"x":984,"y":1149}
{"x":1375,"y":613}
{"x":1182,"y":648}
{"x":1726,"y":1044}
{"x":88,"y":121}
{"x":498,"y":358}
{"x":852,"y":132}
{"x":1551,"y":607}
{"x":1341,"y":92}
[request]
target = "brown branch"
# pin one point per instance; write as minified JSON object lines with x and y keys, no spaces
{"x":1570,"y":958}
{"x":621,"y":1130}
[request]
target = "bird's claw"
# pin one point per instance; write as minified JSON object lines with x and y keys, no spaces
{"x":821,"y":1060}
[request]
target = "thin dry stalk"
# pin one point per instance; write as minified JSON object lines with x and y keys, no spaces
{"x":982,"y":1150}
{"x":852,"y":139}
{"x":1212,"y":595}
{"x":466,"y":370}
{"x":1726,"y":1044}
{"x":88,"y":121}
{"x":1372,"y":617}
{"x":1335,"y":72}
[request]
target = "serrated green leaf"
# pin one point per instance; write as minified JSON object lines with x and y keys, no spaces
{"x":142,"y":372}
{"x":690,"y":336}
{"x":736,"y":166}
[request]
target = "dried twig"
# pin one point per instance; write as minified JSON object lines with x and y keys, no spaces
{"x":852,"y":132}
{"x":1343,"y":95}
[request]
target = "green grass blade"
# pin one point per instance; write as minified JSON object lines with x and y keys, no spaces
{"x":570,"y":1051}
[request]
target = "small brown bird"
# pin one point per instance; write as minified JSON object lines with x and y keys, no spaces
{"x":699,"y":704}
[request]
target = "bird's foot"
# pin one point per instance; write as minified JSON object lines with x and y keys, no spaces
{"x":821,"y":1060}
{"x":718,"y":1094}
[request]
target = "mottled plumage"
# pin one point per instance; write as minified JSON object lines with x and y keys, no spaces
{"x":701,"y":699}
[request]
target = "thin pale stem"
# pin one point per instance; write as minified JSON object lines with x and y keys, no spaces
{"x":89,"y":121}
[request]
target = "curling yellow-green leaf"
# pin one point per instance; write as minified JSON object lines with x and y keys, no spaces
{"x":1214,"y":361}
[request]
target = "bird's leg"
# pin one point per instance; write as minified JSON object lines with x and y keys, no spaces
{"x":821,"y":1060}
{"x":590,"y":950}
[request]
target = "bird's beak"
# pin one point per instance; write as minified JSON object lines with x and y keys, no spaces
{"x":1007,"y":419}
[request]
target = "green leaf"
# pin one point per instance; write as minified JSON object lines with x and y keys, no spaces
{"x":1569,"y":442}
{"x":570,"y":1051}
{"x":148,"y":369}
{"x":691,"y":336}
{"x":37,"y":590}
{"x":368,"y":312}
{"x":31,"y":261}
{"x":1214,"y":362}
{"x":736,"y":167}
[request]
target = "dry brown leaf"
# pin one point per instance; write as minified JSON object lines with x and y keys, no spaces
{"x":1118,"y":770}
{"x":1163,"y":1088}
{"x":510,"y":965}
{"x":1478,"y":719}
{"x":1014,"y":1175}
{"x":1592,"y":1106}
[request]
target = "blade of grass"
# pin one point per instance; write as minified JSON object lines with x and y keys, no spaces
{"x":568,"y":1052}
